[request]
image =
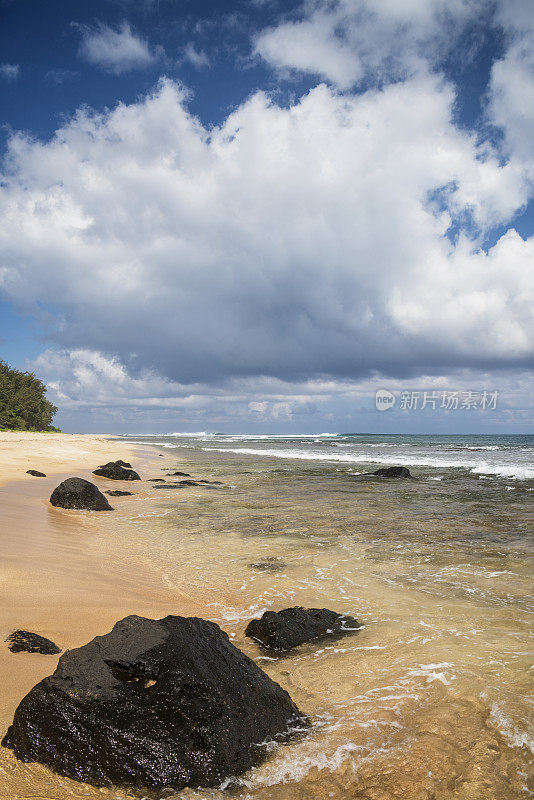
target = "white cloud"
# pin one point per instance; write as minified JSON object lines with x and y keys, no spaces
{"x":116,"y":51}
{"x":307,"y":240}
{"x":9,"y":72}
{"x":511,"y":90}
{"x":197,"y":58}
{"x":98,"y":390}
{"x":345,"y":41}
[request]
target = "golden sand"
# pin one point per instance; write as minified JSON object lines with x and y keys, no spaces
{"x":60,"y":575}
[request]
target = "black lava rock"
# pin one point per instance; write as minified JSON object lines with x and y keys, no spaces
{"x":27,"y":642}
{"x":118,"y":493}
{"x":183,"y":474}
{"x":156,"y":480}
{"x":282,"y":630}
{"x":35,"y":473}
{"x":79,"y":493}
{"x":117,"y":471}
{"x":392,"y":472}
{"x":153,"y":704}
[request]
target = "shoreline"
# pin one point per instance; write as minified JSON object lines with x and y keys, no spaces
{"x":429,"y":568}
{"x":58,"y":453}
{"x":63,"y":573}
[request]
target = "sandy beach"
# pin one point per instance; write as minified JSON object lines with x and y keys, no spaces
{"x":61,"y":575}
{"x":428,"y":700}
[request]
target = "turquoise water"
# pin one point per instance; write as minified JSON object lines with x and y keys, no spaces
{"x":488,"y":456}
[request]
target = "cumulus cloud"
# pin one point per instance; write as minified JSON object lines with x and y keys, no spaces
{"x":281,"y":266}
{"x":98,"y":389}
{"x":115,"y":51}
{"x":511,"y":90}
{"x":9,"y":72}
{"x":301,"y":241}
{"x":347,"y":41}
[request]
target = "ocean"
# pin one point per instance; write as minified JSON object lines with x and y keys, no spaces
{"x":433,"y":697}
{"x":480,"y":456}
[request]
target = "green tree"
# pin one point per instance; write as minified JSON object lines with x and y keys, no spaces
{"x":23,"y":405}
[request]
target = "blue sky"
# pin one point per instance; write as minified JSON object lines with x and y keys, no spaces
{"x":251,"y":215}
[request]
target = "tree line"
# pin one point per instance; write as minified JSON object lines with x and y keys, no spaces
{"x":23,"y":405}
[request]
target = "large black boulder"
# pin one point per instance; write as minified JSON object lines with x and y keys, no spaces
{"x":117,"y":471}
{"x":392,"y":472}
{"x":28,"y":642}
{"x":282,"y":630}
{"x":153,"y":704}
{"x":79,"y":493}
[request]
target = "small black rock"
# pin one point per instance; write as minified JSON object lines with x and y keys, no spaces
{"x":79,"y":493}
{"x":117,"y":471}
{"x":35,"y":473}
{"x":156,"y":480}
{"x":282,"y":630}
{"x":392,"y":472}
{"x":27,"y":642}
{"x":182,"y":474}
{"x":118,"y":493}
{"x":153,"y":704}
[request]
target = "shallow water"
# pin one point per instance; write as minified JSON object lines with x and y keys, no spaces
{"x":433,"y":698}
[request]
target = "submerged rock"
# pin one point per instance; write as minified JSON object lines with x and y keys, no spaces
{"x":118,"y":493}
{"x":183,"y":474}
{"x":153,"y":704}
{"x":28,"y":642}
{"x":392,"y":472}
{"x":177,"y":485}
{"x":79,"y":493}
{"x":282,"y":630}
{"x":35,"y":473}
{"x":269,"y":564}
{"x":117,"y":471}
{"x":156,"y":480}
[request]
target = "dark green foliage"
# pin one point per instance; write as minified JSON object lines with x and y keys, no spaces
{"x":23,"y":405}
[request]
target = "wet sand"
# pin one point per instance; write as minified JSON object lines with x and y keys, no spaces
{"x":430,"y":701}
{"x":62,"y":576}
